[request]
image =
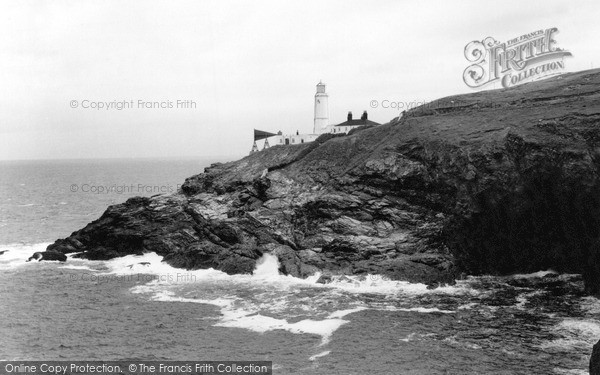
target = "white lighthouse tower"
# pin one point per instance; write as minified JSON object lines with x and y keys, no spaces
{"x":321,"y":110}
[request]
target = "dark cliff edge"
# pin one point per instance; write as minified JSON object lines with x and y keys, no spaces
{"x":494,"y":182}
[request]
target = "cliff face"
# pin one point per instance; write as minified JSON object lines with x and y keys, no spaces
{"x":493,"y":182}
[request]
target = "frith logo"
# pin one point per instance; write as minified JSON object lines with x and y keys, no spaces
{"x":526,"y":58}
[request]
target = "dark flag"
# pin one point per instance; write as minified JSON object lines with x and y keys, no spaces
{"x":259,"y":134}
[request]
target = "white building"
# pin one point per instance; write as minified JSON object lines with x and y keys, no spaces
{"x":321,"y":125}
{"x":293,"y":139}
{"x":350,"y":124}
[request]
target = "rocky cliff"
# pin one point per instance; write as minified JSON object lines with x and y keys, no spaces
{"x":492,"y":182}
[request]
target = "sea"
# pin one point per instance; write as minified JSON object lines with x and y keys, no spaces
{"x":139,"y":308}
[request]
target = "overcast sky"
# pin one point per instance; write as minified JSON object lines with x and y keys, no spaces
{"x":246,"y":65}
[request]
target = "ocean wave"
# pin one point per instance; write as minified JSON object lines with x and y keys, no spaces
{"x":423,"y":310}
{"x":523,"y":298}
{"x":268,"y":301}
{"x":16,"y":255}
{"x":591,"y":305}
{"x":239,"y":314}
{"x":583,"y":328}
{"x":74,"y":267}
{"x":319,"y":355}
{"x":534,"y":275}
{"x":574,"y":334}
{"x":267,"y":272}
{"x":571,"y":372}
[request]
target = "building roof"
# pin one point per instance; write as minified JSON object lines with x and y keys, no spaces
{"x":358,"y":122}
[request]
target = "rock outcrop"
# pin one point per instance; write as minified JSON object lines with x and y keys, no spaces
{"x":595,"y":360}
{"x":492,"y":182}
{"x":48,"y":255}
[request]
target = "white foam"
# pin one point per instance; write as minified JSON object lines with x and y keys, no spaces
{"x":248,"y":317}
{"x":467,"y":306}
{"x":377,"y":284}
{"x":322,"y":354}
{"x":575,"y":333}
{"x":586,"y":328}
{"x":152,"y":264}
{"x":422,"y":310}
{"x":274,"y":302}
{"x":533,"y":275}
{"x":267,"y":267}
{"x":523,"y":298}
{"x":571,"y":371}
{"x":17,"y":254}
{"x":124,"y":265}
{"x":343,"y":313}
{"x":259,"y":323}
{"x":591,"y":304}
{"x":452,"y":340}
{"x":426,"y":310}
{"x":74,"y":267}
{"x":408,"y":338}
{"x":267,"y":271}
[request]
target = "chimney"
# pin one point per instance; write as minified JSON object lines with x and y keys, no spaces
{"x":364,"y":116}
{"x":350,"y":116}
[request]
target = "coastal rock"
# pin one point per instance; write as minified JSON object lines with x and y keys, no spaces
{"x":48,"y":255}
{"x":324,"y":279}
{"x":595,"y":360}
{"x":500,"y":182}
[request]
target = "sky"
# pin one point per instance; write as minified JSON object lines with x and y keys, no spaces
{"x":239,"y":65}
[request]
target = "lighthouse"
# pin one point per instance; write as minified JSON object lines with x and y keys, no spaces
{"x":321,"y":110}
